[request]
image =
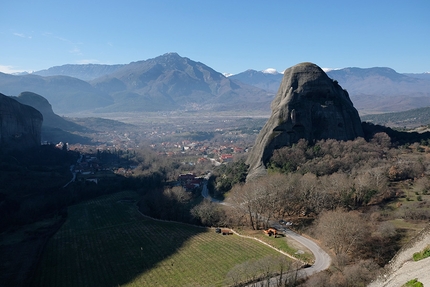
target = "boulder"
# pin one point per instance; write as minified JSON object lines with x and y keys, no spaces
{"x":20,"y":125}
{"x":309,"y":105}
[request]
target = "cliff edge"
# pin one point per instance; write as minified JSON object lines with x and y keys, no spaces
{"x":20,"y":125}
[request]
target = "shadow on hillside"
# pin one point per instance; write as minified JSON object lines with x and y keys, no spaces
{"x":108,"y":242}
{"x":397,"y":137}
{"x":56,"y":135}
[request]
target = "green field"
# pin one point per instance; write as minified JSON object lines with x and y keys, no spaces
{"x":107,"y":242}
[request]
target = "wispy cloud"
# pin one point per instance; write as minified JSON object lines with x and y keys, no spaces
{"x":76,"y":51}
{"x":51,"y":35}
{"x":21,"y":35}
{"x":73,"y":46}
{"x":9,"y":69}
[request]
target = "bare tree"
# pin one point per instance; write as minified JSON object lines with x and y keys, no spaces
{"x":242,"y":202}
{"x":382,"y":139}
{"x":341,"y":231}
{"x":208,"y":213}
{"x":311,"y":193}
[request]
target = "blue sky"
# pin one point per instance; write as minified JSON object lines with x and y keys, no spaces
{"x":229,"y":36}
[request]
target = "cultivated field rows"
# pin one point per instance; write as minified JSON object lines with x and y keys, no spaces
{"x":107,"y":242}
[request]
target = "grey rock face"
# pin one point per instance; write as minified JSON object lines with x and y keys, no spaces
{"x":20,"y":125}
{"x":308,"y":105}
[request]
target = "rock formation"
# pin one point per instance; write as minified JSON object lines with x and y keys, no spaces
{"x":50,"y":119}
{"x":309,"y":105}
{"x":402,"y":268}
{"x":20,"y":125}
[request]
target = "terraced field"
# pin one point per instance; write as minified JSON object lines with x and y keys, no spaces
{"x":107,"y":242}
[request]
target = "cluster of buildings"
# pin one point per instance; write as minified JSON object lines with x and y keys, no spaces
{"x":190,"y":181}
{"x":204,"y":151}
{"x":87,"y":165}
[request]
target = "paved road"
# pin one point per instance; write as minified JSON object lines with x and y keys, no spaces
{"x":205,"y":191}
{"x":72,"y":170}
{"x":322,"y":259}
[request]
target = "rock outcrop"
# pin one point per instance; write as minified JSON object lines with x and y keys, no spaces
{"x":402,"y":268}
{"x":20,"y":125}
{"x":55,"y":128}
{"x":308,"y":105}
{"x":50,"y":119}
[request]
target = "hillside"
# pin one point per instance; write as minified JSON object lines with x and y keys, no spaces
{"x":260,"y":79}
{"x":383,"y":89}
{"x":54,"y":128}
{"x":403,"y":268}
{"x":85,"y":72}
{"x":406,"y":119}
{"x":171,"y":82}
{"x":66,"y":94}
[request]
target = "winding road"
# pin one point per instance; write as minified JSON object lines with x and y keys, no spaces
{"x":322,"y":259}
{"x":72,"y":170}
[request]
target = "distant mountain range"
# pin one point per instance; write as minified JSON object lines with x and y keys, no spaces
{"x":86,"y":72}
{"x":372,"y":90}
{"x":376,"y":90}
{"x":168,"y":82}
{"x":269,"y":81}
{"x":171,"y":82}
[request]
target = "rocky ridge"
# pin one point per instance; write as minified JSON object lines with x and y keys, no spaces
{"x":309,"y":105}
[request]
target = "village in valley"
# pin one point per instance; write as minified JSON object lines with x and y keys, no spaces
{"x":217,"y":142}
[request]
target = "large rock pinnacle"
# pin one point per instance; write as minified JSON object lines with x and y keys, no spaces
{"x":309,"y":105}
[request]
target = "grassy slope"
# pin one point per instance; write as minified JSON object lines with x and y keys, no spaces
{"x":106,"y":242}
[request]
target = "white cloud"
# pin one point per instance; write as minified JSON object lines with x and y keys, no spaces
{"x":330,"y":69}
{"x":270,"y":71}
{"x":19,"y":35}
{"x":9,"y":70}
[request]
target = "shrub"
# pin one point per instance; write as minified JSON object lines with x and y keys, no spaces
{"x":423,"y":254}
{"x":413,"y":283}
